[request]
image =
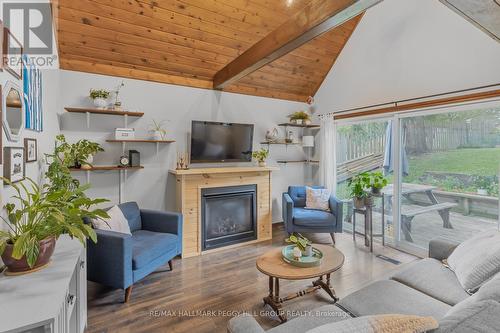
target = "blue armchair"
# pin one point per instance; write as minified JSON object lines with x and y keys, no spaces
{"x":119,"y":260}
{"x":299,"y":219}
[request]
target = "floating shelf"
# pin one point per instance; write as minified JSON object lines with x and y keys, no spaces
{"x":141,"y":141}
{"x":301,"y":161}
{"x":279,"y":143}
{"x":105,"y":111}
{"x":107,"y":168}
{"x":299,"y":125}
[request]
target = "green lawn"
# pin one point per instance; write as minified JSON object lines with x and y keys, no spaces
{"x":477,"y":161}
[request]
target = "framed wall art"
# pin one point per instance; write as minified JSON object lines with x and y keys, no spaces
{"x":12,"y":54}
{"x":13,"y":167}
{"x":31,"y":150}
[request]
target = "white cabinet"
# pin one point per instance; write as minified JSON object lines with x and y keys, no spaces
{"x":52,"y":300}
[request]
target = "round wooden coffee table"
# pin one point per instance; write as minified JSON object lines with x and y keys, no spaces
{"x":272,"y":264}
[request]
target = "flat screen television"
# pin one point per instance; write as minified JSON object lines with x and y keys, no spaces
{"x":221,"y":142}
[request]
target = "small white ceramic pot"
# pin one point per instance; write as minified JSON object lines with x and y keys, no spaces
{"x":262,"y":163}
{"x":308,"y":251}
{"x":298,"y":121}
{"x":157,"y":135}
{"x":297,"y":253}
{"x":100,"y":103}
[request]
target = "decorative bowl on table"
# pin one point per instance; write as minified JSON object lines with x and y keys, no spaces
{"x":304,"y":261}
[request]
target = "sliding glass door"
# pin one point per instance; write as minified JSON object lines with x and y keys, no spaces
{"x":448,"y":162}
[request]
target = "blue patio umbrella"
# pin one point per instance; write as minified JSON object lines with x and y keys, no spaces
{"x":389,"y":155}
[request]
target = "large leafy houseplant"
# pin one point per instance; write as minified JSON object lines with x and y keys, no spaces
{"x":77,"y":154}
{"x":39,"y":214}
{"x":357,"y":188}
{"x":377,"y":181}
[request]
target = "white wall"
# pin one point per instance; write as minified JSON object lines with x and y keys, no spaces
{"x":152,"y":187}
{"x":409,"y":48}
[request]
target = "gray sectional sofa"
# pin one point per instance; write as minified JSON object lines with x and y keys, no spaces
{"x":425,"y":288}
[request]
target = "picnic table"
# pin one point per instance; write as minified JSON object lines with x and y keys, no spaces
{"x":407,"y":215}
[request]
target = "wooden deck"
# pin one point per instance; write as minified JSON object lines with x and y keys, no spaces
{"x":430,"y":225}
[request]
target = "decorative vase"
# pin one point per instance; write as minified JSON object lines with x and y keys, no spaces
{"x":482,"y":191}
{"x":262,"y":163}
{"x":297,"y":253}
{"x":100,"y":103}
{"x":20,"y":266}
{"x":308,"y":251}
{"x":157,"y":135}
{"x":359,"y":203}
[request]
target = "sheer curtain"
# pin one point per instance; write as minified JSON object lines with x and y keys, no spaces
{"x":328,"y":156}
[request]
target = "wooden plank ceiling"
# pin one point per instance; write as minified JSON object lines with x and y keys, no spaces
{"x":185,"y":42}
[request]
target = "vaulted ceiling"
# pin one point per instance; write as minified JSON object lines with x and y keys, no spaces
{"x":186,"y":42}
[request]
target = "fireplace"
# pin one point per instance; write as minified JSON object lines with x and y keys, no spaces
{"x":228,"y":215}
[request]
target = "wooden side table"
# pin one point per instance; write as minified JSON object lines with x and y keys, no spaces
{"x":272,"y":264}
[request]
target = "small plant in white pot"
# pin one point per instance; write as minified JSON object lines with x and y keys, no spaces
{"x":158,"y":130}
{"x":482,"y":183}
{"x":261,"y":156}
{"x":99,"y":97}
{"x":303,"y":246}
{"x":300,"y":117}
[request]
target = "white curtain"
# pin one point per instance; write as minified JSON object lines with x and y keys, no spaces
{"x":328,"y":157}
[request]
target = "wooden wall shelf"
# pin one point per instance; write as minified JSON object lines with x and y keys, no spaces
{"x":301,"y":161}
{"x":141,"y":141}
{"x":107,"y":168}
{"x":105,"y":111}
{"x":280,"y":143}
{"x":299,"y":125}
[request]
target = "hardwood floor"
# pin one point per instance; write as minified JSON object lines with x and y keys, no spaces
{"x":202,"y":293}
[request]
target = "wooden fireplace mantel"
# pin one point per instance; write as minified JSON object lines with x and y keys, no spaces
{"x":189,"y":184}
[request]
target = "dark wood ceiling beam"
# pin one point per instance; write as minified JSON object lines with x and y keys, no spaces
{"x":315,"y":19}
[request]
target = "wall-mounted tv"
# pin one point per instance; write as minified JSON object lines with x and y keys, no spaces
{"x":221,"y":142}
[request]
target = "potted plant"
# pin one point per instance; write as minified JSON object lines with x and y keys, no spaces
{"x":38,"y":217}
{"x":159,"y":132}
{"x":357,"y":189}
{"x":300,"y":117}
{"x":377,"y":182}
{"x":79,"y":154}
{"x":302,"y":244}
{"x":99,"y":97}
{"x":261,"y":156}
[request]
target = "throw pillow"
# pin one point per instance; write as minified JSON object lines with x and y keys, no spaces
{"x":317,"y":198}
{"x":391,"y":323}
{"x":476,"y":260}
{"x":116,"y":221}
{"x":471,"y":316}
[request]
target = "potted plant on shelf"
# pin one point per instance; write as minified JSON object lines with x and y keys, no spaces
{"x":261,"y":156}
{"x":357,"y":189}
{"x":300,"y":117}
{"x":159,"y":132}
{"x":303,"y":246}
{"x":99,"y":97}
{"x":79,"y":154}
{"x":377,"y":182}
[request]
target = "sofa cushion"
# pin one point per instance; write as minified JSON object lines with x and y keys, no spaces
{"x":115,"y":222}
{"x":298,"y":194}
{"x":317,"y":317}
{"x":388,"y":297}
{"x":482,"y":316}
{"x":317,"y":198}
{"x":312,"y":218}
{"x":490,"y":290}
{"x":392,"y":323}
{"x":431,"y":277}
{"x":133,"y":215}
{"x":476,"y":260}
{"x":149,"y":245}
